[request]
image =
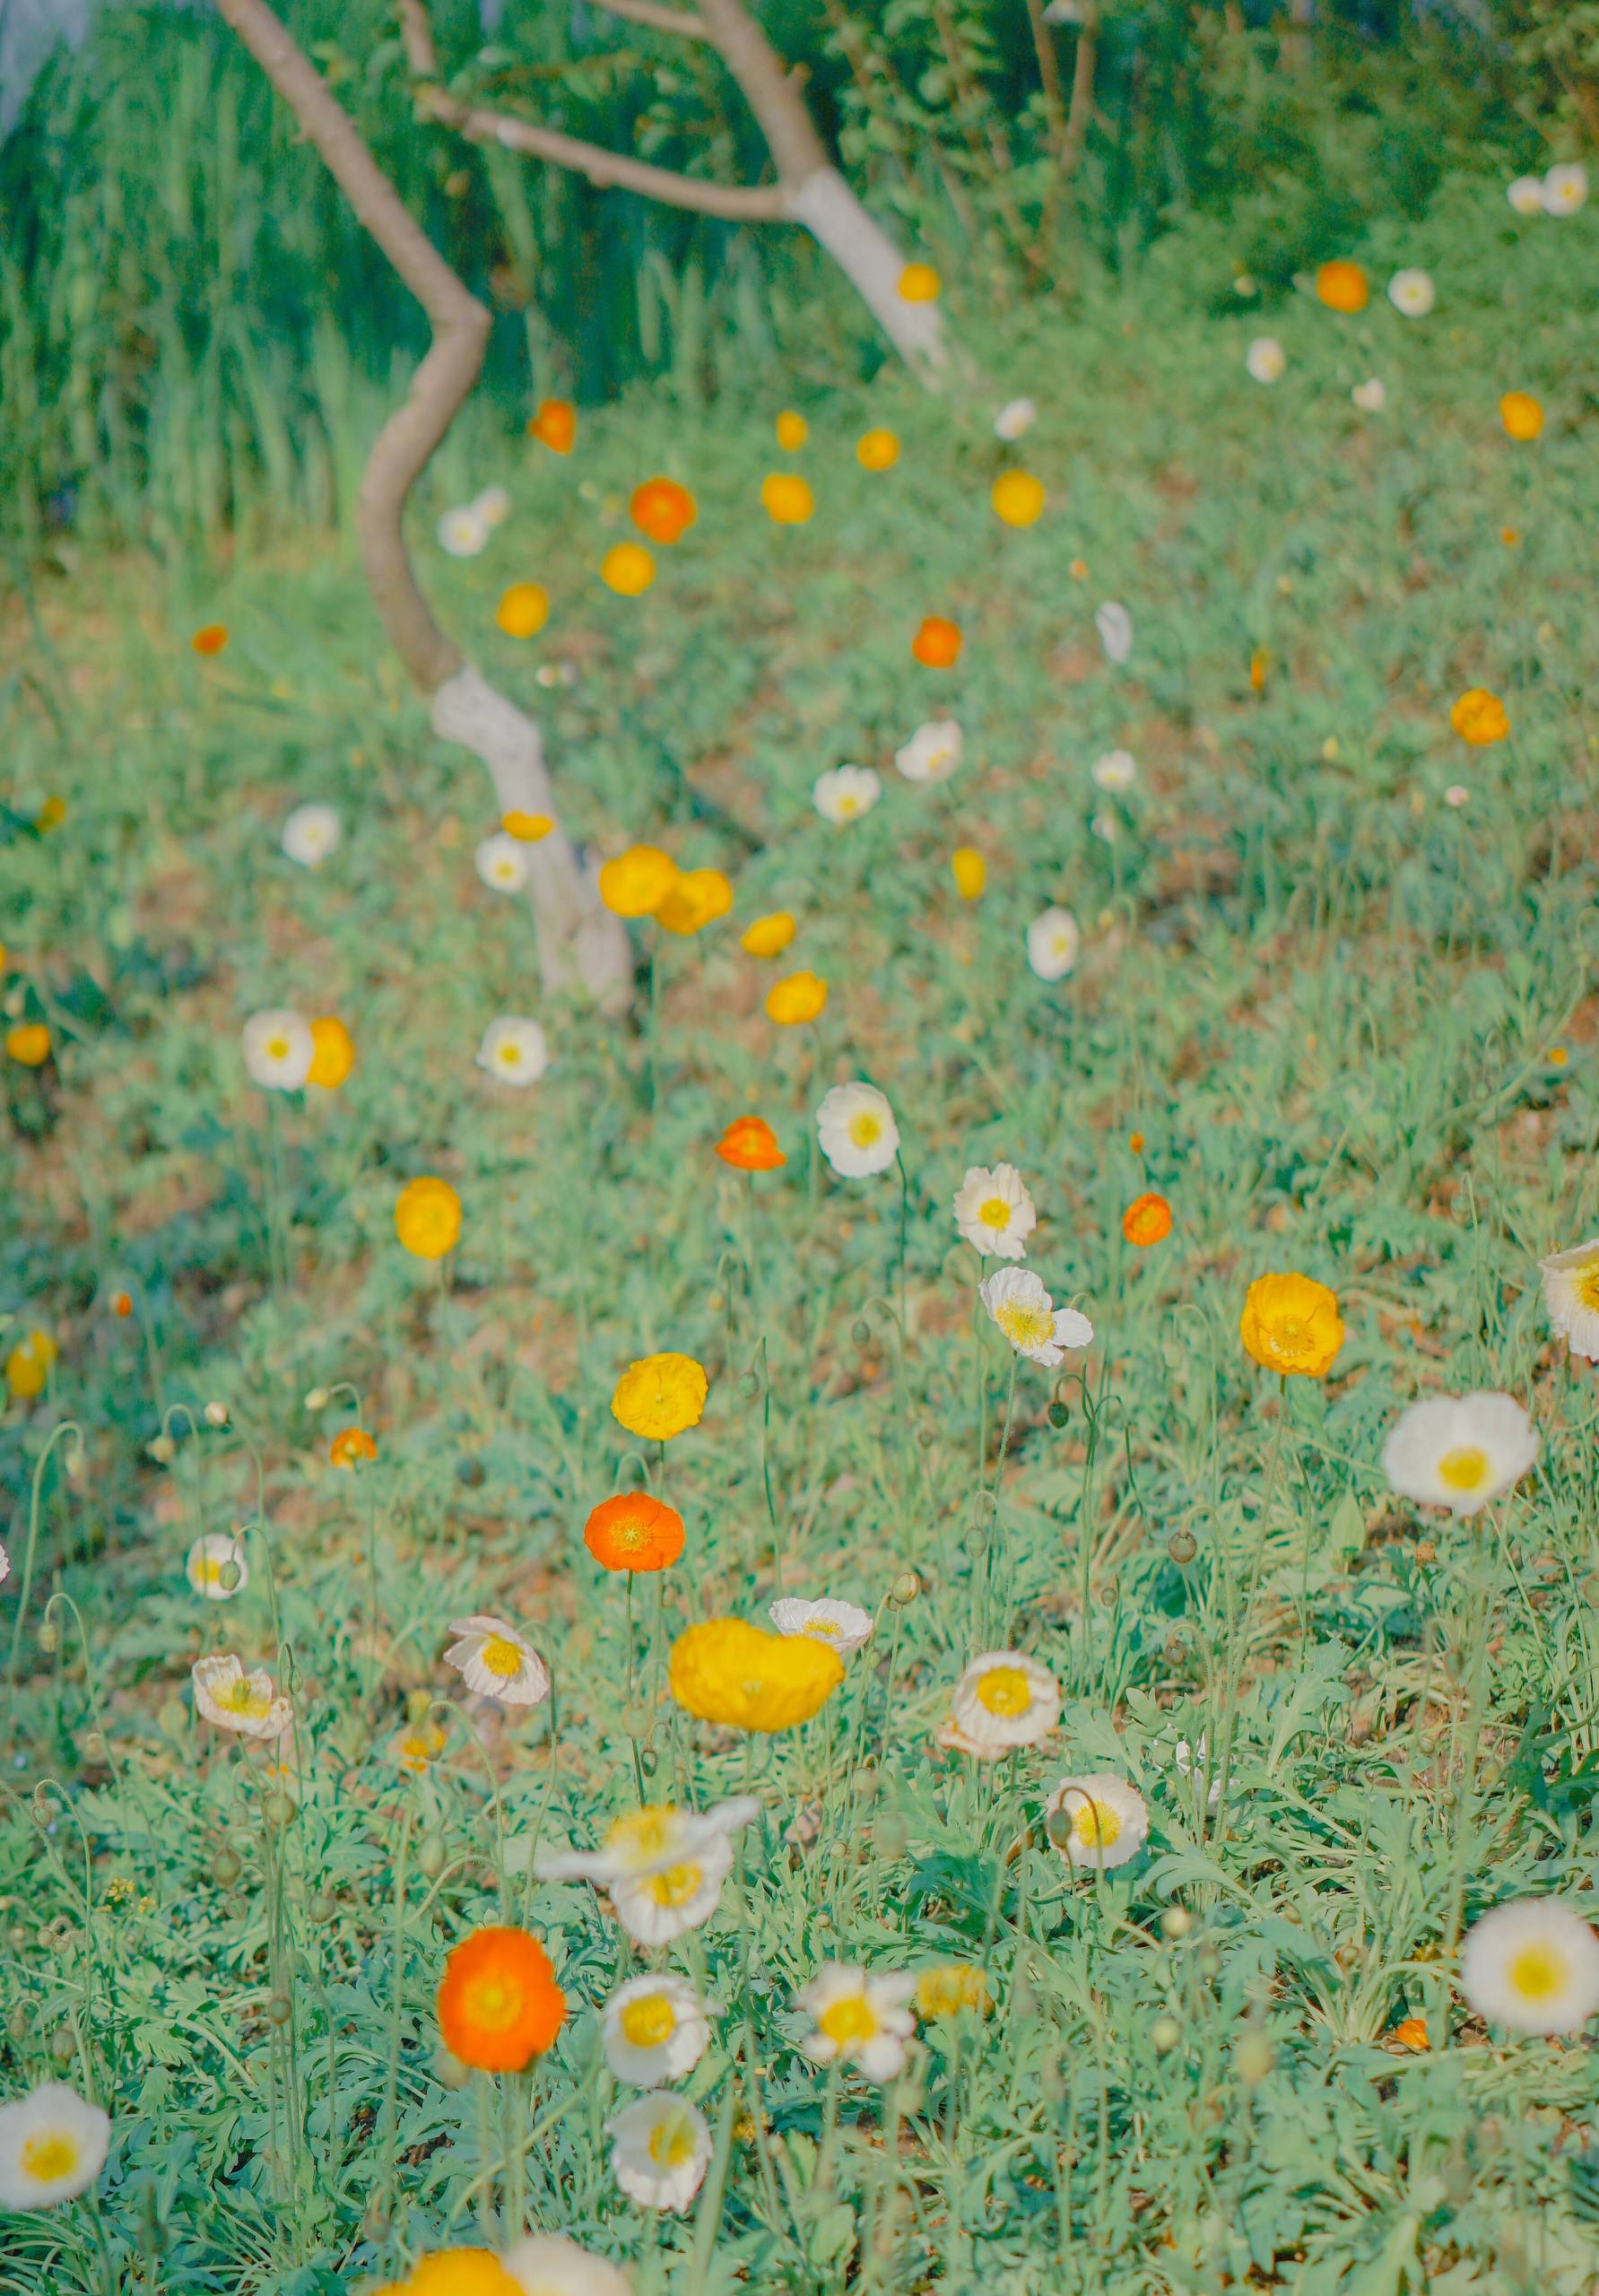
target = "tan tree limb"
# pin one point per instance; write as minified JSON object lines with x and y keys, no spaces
{"x":680,"y":23}
{"x":441,"y":382}
{"x":1081,"y":112}
{"x":768,"y":88}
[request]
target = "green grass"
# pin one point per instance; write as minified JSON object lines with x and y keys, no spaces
{"x":1326,"y":1000}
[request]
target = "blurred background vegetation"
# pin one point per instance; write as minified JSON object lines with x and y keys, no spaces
{"x":194,"y":330}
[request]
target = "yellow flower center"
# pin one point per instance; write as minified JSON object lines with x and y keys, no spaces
{"x":491,"y":2001}
{"x":50,"y":2155}
{"x":649,"y":2020}
{"x":996,"y":1213}
{"x":1025,"y":1327}
{"x":646,"y":1833}
{"x":865,"y":1128}
{"x":672,"y":2140}
{"x":277,"y":1047}
{"x":817,"y":1625}
{"x":1004,"y":1689}
{"x":848,"y":2021}
{"x":1464,"y":1469}
{"x":847,"y":805}
{"x":1095,"y":1824}
{"x":510,"y":1053}
{"x":501,"y":1657}
{"x":1588,"y":1285}
{"x":243,"y":1698}
{"x":1537,"y":1973}
{"x":676,"y":1886}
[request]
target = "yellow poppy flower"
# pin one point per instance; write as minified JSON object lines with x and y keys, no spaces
{"x":660,"y":1396}
{"x":746,"y":1679}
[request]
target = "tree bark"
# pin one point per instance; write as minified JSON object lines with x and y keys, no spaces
{"x":581,"y":945}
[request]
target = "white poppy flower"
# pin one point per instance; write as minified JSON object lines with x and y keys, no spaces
{"x":857,"y":1128}
{"x":1457,"y":795}
{"x":860,"y":2019}
{"x":546,"y":2263}
{"x":994,"y":1211}
{"x":5,"y":1566}
{"x":53,"y":2145}
{"x":1370,"y":396}
{"x":310,"y":834}
{"x":495,"y":1661}
{"x":1014,"y":419}
{"x":1106,"y":826}
{"x":660,"y":2149}
{"x":844,"y":1627}
{"x":1266,"y":359}
{"x":932,"y":753}
{"x":464,"y":533}
{"x":1525,"y":194}
{"x":1565,"y":189}
{"x":846,"y":793}
{"x":1533,"y":1965}
{"x":493,"y":505}
{"x":1412,"y":293}
{"x":1002,"y":1699}
{"x":1572,"y":1295}
{"x":1195,"y":1762}
{"x":1053,"y":941}
{"x":212,"y":1554}
{"x":665,"y":1867}
{"x":654,"y":2030}
{"x":278,"y":1049}
{"x":1098,"y":1821}
{"x":244,"y":1704}
{"x":1459,"y":1451}
{"x":1029,"y":1319}
{"x":513,"y":1051}
{"x":501,"y":861}
{"x":1115,"y":772}
{"x":1114,"y":626}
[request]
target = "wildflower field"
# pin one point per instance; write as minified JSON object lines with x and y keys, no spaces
{"x":914,"y":1605}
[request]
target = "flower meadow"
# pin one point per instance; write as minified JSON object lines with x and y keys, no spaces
{"x":924,"y":1616}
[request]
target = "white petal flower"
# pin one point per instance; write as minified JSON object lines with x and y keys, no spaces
{"x":994,"y":1211}
{"x":1003,"y":1699}
{"x":501,"y":861}
{"x":513,"y":1051}
{"x":648,"y":1841}
{"x":244,"y":1704}
{"x":493,"y":505}
{"x":5,"y":1566}
{"x":844,"y":1627}
{"x":1412,"y":293}
{"x":861,"y":2019}
{"x":278,"y":1049}
{"x":1370,"y":396}
{"x":1117,"y":770}
{"x":1114,"y":626}
{"x":660,"y":2149}
{"x":857,"y":1128}
{"x":1457,"y":795}
{"x":547,"y":2264}
{"x":213,"y":1553}
{"x":52,"y":2147}
{"x":1525,"y":194}
{"x":495,"y":1661}
{"x":846,"y":793}
{"x":1266,"y":359}
{"x":658,"y":1907}
{"x":1106,"y":826}
{"x":1028,"y":1318}
{"x":1014,"y":419}
{"x":310,"y":834}
{"x":1053,"y":941}
{"x":1533,"y":1965}
{"x":1459,"y":1451}
{"x":1571,"y":1294}
{"x":1098,"y":1821}
{"x":464,"y":533}
{"x":933,"y":753}
{"x":1565,"y":189}
{"x":654,"y":2030}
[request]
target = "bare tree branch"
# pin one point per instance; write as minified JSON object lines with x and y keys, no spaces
{"x":445,"y":377}
{"x":768,"y":89}
{"x":1082,"y":113}
{"x":679,"y":21}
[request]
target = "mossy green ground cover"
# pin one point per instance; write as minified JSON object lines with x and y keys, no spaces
{"x":1350,"y":1022}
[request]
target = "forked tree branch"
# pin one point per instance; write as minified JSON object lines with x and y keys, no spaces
{"x":441,"y":382}
{"x":607,"y":171}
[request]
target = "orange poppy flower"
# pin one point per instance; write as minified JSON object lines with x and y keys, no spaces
{"x":877,"y":450}
{"x":1343,"y":287}
{"x":555,"y":425}
{"x":937,"y":643}
{"x":919,"y":283}
{"x":663,"y":509}
{"x":211,"y":639}
{"x":499,"y":2004}
{"x":751,"y":1145}
{"x":1479,"y":717}
{"x":793,"y":430}
{"x":1522,"y":415}
{"x":1146,"y":1220}
{"x":634,"y":1532}
{"x":29,"y":1043}
{"x":522,"y":610}
{"x":1411,"y":2032}
{"x":350,"y":1445}
{"x":628,"y":569}
{"x":786,"y":498}
{"x":122,"y":1304}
